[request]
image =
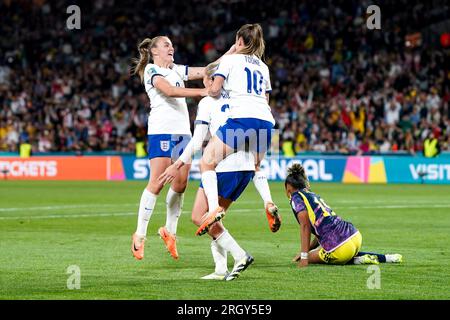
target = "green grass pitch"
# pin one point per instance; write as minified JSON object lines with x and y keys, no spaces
{"x":45,"y":227}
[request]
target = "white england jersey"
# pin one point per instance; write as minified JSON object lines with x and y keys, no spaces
{"x":215,"y":113}
{"x":247,"y":80}
{"x":167,"y":115}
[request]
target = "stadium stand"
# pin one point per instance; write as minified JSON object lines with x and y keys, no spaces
{"x":338,"y":87}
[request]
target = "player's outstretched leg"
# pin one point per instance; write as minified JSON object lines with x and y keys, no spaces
{"x":365,"y":259}
{"x":375,"y":258}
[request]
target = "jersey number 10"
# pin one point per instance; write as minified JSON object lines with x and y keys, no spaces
{"x":255,"y":83}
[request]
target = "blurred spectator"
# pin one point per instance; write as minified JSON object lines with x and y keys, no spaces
{"x":337,"y":87}
{"x":288,"y":148}
{"x":431,"y":147}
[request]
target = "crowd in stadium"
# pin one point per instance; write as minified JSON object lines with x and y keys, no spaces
{"x":337,"y":86}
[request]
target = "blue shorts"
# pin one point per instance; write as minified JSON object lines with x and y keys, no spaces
{"x":248,"y":134}
{"x":167,"y":145}
{"x":230,"y":185}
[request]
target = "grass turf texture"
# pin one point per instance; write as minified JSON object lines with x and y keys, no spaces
{"x":47,"y":226}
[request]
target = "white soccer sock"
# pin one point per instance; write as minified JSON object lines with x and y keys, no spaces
{"x":261,"y":184}
{"x":220,"y":257}
{"x":209,"y":182}
{"x":146,"y":206}
{"x":174,"y":204}
{"x":227,"y":242}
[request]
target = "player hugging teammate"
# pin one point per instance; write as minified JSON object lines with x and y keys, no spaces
{"x":236,"y":120}
{"x":168,"y":134}
{"x":235,"y":113}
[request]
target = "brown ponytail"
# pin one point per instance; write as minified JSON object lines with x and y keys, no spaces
{"x":145,"y":55}
{"x":252,"y":34}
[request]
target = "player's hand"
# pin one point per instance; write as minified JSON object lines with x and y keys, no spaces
{"x":296,"y":258}
{"x":303,"y":263}
{"x":168,"y":175}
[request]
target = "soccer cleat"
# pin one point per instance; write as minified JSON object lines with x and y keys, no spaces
{"x":366,"y":259}
{"x":239,"y":267}
{"x":137,"y":246}
{"x":215,"y":276}
{"x":273,"y":217}
{"x":212,"y":217}
{"x":394,"y":258}
{"x":170,"y":240}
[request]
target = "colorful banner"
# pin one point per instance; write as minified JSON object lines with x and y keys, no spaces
{"x":353,"y":169}
{"x":62,"y":168}
{"x":365,"y":170}
{"x":417,"y":170}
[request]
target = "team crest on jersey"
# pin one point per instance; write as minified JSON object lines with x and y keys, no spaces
{"x":165,"y":145}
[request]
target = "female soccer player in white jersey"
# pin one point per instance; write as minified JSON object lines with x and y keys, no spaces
{"x":246,"y":78}
{"x":234,"y":174}
{"x":168,"y":133}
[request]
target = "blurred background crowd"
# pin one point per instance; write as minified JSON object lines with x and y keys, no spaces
{"x":338,"y":87}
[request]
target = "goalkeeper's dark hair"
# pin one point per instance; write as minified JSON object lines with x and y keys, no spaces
{"x":296,"y":177}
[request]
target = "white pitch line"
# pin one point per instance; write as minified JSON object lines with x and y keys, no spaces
{"x":398,"y":206}
{"x":335,"y":203}
{"x":93,"y":215}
